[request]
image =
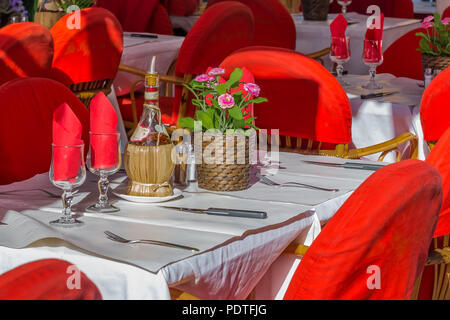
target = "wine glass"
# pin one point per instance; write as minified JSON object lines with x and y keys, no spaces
{"x":340,"y":54}
{"x":344,"y":4}
{"x":104,"y":159}
{"x":67,"y":172}
{"x":373,"y":57}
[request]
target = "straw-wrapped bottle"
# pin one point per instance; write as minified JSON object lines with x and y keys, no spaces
{"x":147,"y":159}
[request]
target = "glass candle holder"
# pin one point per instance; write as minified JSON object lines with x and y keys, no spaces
{"x":373,"y":57}
{"x":344,"y":4}
{"x":340,"y":54}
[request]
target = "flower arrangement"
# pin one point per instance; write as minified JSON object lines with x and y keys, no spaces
{"x":222,"y":105}
{"x":436,"y":41}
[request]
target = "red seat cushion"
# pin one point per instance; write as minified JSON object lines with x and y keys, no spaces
{"x":46,"y":280}
{"x":435,"y":107}
{"x":26,"y":114}
{"x":26,"y":50}
{"x":376,"y":245}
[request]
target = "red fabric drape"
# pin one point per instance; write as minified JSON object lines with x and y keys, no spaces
{"x":90,"y":53}
{"x":26,"y":50}
{"x":274,"y":25}
{"x":384,"y":229}
{"x":400,"y":64}
{"x":26,"y":114}
{"x":305,"y":100}
{"x":390,"y":8}
{"x":46,"y":280}
{"x":435,"y":107}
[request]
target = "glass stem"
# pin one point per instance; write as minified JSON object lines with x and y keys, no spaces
{"x":103,"y":185}
{"x":373,"y":73}
{"x":339,"y":71}
{"x":344,"y":9}
{"x":67,"y":198}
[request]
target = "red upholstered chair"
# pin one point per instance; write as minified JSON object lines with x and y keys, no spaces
{"x":435,"y":108}
{"x":402,"y":58}
{"x":274,"y":25}
{"x":180,"y":7}
{"x":26,"y":113}
{"x":87,"y":59}
{"x":376,"y":245}
{"x":218,"y":32}
{"x":139,"y":15}
{"x":446,"y":13}
{"x":394,"y":9}
{"x":45,"y":280}
{"x":306,"y":103}
{"x":26,"y":50}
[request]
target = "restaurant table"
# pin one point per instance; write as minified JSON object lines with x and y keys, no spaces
{"x":313,"y":36}
{"x":234,"y":254}
{"x":424,"y":7}
{"x":380,"y":119}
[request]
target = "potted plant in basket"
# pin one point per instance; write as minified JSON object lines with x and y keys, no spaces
{"x":223,"y":115}
{"x":435,"y":43}
{"x":48,"y":12}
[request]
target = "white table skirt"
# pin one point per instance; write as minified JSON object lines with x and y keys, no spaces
{"x":215,"y":272}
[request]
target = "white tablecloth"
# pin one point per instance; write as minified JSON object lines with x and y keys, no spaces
{"x":229,"y":269}
{"x":313,"y":36}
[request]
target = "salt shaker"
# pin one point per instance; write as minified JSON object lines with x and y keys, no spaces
{"x":191,"y":170}
{"x":428,"y":76}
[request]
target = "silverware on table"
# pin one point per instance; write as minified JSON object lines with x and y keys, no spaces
{"x":223,"y":212}
{"x":347,"y":165}
{"x":269,"y":182}
{"x":52,"y":195}
{"x":115,"y":237}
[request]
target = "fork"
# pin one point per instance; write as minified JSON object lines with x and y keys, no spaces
{"x":52,"y":195}
{"x":269,"y":182}
{"x":115,"y":237}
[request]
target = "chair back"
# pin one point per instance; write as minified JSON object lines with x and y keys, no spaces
{"x":218,"y":32}
{"x":26,"y":115}
{"x":400,"y":64}
{"x":26,"y":50}
{"x":391,"y":8}
{"x":305,"y":100}
{"x":45,"y":280}
{"x":87,"y":58}
{"x":180,"y":7}
{"x":376,"y":245}
{"x":274,"y":26}
{"x":435,"y":107}
{"x":446,"y":13}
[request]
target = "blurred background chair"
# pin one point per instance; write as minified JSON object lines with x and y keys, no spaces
{"x":26,"y":115}
{"x":376,"y":245}
{"x":87,"y":59}
{"x":393,"y":9}
{"x":45,"y":280}
{"x":180,"y":7}
{"x":218,"y":32}
{"x":306,"y":103}
{"x":139,"y":15}
{"x":26,"y":50}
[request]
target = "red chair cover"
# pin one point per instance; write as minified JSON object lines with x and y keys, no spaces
{"x":45,"y":280}
{"x":446,"y":13}
{"x":390,"y":8}
{"x":26,"y":114}
{"x":384,"y":228}
{"x":435,"y":107}
{"x":305,"y":100}
{"x":26,"y":50}
{"x":90,"y":53}
{"x":274,"y":26}
{"x":180,"y":7}
{"x":160,"y":22}
{"x":400,"y":64}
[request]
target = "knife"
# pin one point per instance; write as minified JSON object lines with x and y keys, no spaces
{"x":377,"y":95}
{"x":140,"y":35}
{"x":348,"y":165}
{"x":223,"y":212}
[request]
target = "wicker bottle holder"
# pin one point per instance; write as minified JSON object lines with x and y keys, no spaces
{"x":222,"y":176}
{"x":316,"y":9}
{"x":435,"y":62}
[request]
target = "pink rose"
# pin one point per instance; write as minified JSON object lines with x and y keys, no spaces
{"x":226,"y":101}
{"x":252,"y":88}
{"x":216,"y":71}
{"x":202,"y":78}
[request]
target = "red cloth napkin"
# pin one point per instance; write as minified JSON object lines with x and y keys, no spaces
{"x":66,"y":132}
{"x":104,"y":142}
{"x":339,"y":46}
{"x":374,"y":52}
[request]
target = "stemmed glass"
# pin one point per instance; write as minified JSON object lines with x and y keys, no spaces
{"x":373,"y":57}
{"x":344,"y":4}
{"x":103,"y":167}
{"x":340,"y":54}
{"x":67,"y":172}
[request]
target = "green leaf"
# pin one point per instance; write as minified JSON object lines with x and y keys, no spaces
{"x":222,"y":88}
{"x":207,"y":121}
{"x":236,"y":113}
{"x":235,"y":76}
{"x":239,"y":124}
{"x":187,"y":123}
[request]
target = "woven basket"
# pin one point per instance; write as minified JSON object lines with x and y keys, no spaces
{"x":223,"y":176}
{"x":435,"y":62}
{"x":47,"y":18}
{"x":315,"y":9}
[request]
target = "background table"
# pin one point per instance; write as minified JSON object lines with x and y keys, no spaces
{"x":313,"y":36}
{"x":251,"y":244}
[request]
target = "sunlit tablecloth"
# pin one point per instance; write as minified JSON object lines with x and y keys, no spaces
{"x":235,"y":252}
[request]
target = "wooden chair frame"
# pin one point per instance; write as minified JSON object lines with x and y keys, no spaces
{"x":85,"y":91}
